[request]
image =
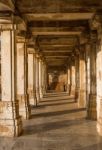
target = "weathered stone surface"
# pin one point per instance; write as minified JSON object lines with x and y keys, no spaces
{"x":22,"y":97}
{"x":58,"y":124}
{"x":58,"y":31}
{"x":10,"y":121}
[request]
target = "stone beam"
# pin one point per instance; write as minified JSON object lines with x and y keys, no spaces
{"x":38,"y":7}
{"x":58,"y":16}
{"x":60,"y":24}
{"x":57,"y":56}
{"x":49,"y":45}
{"x":56,"y":29}
{"x":57,"y":33}
{"x":8,"y":5}
{"x":52,"y":51}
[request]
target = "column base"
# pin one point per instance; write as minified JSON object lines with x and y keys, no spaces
{"x":10,"y":121}
{"x":41,"y":93}
{"x":82,"y":99}
{"x":44,"y":90}
{"x":38,"y":95}
{"x":76,"y":95}
{"x":72,"y":91}
{"x":99,"y":126}
{"x":99,"y":119}
{"x":68,"y":89}
{"x":92,"y":110}
{"x":32,"y":98}
{"x":24,"y":107}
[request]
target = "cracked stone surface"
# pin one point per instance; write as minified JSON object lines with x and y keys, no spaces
{"x":56,"y":124}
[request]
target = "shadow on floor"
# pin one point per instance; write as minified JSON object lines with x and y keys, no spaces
{"x":56,"y":104}
{"x":56,"y":113}
{"x":97,"y":146}
{"x":52,"y":104}
{"x":41,"y":128}
{"x":54,"y":100}
{"x":57,"y":95}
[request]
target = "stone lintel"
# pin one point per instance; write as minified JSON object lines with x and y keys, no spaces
{"x":21,"y":39}
{"x":96,"y":21}
{"x":21,"y":25}
{"x":8,"y":5}
{"x":8,"y":19}
{"x":30,"y":50}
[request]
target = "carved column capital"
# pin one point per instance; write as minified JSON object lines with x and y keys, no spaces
{"x":93,"y":36}
{"x":96,"y":21}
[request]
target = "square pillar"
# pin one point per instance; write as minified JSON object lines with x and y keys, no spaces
{"x":87,"y":73}
{"x":45,"y":78}
{"x":77,"y":83}
{"x":73,"y":77}
{"x":37,"y":79}
{"x":68,"y":79}
{"x":31,"y":77}
{"x":22,"y":95}
{"x":82,"y":70}
{"x":99,"y":86}
{"x":40,"y":79}
{"x":34,"y":78}
{"x":92,"y":105}
{"x":10,"y":120}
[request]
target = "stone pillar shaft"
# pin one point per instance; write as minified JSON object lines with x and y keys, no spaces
{"x":73,"y":77}
{"x":68,"y":79}
{"x":37,"y":79}
{"x":40,"y":78}
{"x":99,"y":86}
{"x":22,"y":95}
{"x":10,"y":120}
{"x":92,"y":113}
{"x":82,"y":91}
{"x":34,"y":78}
{"x":31,"y":78}
{"x":77,"y":88}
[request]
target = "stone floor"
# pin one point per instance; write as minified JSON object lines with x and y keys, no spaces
{"x":56,"y":124}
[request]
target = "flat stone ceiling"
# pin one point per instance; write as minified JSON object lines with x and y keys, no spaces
{"x":56,"y":24}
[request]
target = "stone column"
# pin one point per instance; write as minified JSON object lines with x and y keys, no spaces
{"x":40,"y":78}
{"x":88,"y":48}
{"x":10,"y":120}
{"x":82,"y":70}
{"x":37,"y":79}
{"x":45,"y":78}
{"x":31,"y":81}
{"x":34,"y":78}
{"x":73,"y":76}
{"x":22,"y":96}
{"x":99,"y":85}
{"x":77,"y":83}
{"x":43,"y":84}
{"x":68,"y":79}
{"x":92,"y":113}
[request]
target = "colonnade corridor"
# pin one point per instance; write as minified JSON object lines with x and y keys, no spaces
{"x":50,"y":75}
{"x":56,"y":124}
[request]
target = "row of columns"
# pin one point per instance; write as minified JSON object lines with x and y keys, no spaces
{"x":82,"y":75}
{"x":85,"y":77}
{"x":22,"y":81}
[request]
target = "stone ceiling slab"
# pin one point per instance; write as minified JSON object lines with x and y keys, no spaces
{"x":57,"y":25}
{"x":58,"y":16}
{"x":56,"y":6}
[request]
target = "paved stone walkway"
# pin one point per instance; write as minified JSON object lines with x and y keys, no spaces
{"x":56,"y":124}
